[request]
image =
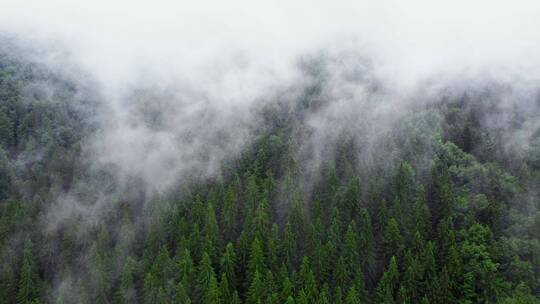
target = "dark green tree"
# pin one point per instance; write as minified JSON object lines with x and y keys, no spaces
{"x":29,"y":287}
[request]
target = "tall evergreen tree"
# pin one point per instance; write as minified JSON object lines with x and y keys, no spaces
{"x":29,"y":287}
{"x":205,"y":278}
{"x":389,"y":283}
{"x":392,"y":240}
{"x":228,"y":266}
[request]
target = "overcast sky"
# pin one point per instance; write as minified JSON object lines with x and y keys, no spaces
{"x":407,"y":39}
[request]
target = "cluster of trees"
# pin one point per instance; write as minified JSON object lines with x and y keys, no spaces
{"x":42,"y":121}
{"x":353,"y":242}
{"x":434,"y":226}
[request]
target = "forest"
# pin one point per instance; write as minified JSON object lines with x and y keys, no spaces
{"x":437,"y":209}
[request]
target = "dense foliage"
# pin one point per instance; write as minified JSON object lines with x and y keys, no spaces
{"x":450,"y":218}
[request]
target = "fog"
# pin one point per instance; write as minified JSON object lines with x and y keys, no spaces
{"x":181,"y":83}
{"x":182,"y":80}
{"x":120,"y":41}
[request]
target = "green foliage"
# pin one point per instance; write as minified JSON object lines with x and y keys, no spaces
{"x":439,"y":215}
{"x":28,"y":289}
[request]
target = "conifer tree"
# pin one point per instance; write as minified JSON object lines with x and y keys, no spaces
{"x":351,"y":248}
{"x":230,"y":213}
{"x":205,"y":276}
{"x":392,"y":239}
{"x":126,"y":292}
{"x":286,"y":289}
{"x":256,"y":289}
{"x":224,"y":289}
{"x":442,"y":200}
{"x":187,"y":271}
{"x":352,"y":296}
{"x":256,"y":260}
{"x":8,"y":282}
{"x":307,"y":281}
{"x":28,"y":289}
{"x":273,"y":253}
{"x":181,"y":295}
{"x":211,"y":294}
{"x":228,"y":266}
{"x":211,"y":233}
{"x":389,"y":283}
{"x":290,"y":300}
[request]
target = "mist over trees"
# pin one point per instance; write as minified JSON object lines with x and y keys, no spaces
{"x":434,"y":205}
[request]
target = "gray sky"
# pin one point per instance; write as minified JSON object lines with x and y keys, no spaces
{"x":408,"y":39}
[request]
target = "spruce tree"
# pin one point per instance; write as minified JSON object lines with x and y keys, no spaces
{"x":28,"y":289}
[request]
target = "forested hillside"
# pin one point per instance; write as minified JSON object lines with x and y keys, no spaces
{"x":440,"y":210}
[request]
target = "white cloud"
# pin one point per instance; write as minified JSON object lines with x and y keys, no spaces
{"x":116,"y":39}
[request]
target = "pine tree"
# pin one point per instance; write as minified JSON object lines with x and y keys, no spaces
{"x":351,"y":200}
{"x":302,"y":298}
{"x":480,"y":270}
{"x":341,"y":275}
{"x":235,"y":298}
{"x":196,"y":242}
{"x":101,"y":265}
{"x":421,"y":215}
{"x":251,"y":194}
{"x":441,"y":194}
{"x":28,"y":290}
{"x":243,"y":249}
{"x":256,"y":260}
{"x":392,"y":240}
{"x":418,"y":244}
{"x":389,"y":283}
{"x":307,"y":281}
{"x":297,"y":223}
{"x":204,"y":277}
{"x":430,"y":271}
{"x":286,"y":289}
{"x":271,"y":288}
{"x":150,"y":289}
{"x":198,"y":212}
{"x":126,"y":292}
{"x":334,"y":239}
{"x":290,"y":247}
{"x":187,"y":270}
{"x":211,"y":294}
{"x":352,"y":296}
{"x":211,"y":233}
{"x":365,"y":239}
{"x":443,"y":293}
{"x":381,"y":217}
{"x":269,"y":186}
{"x":324,"y":297}
{"x":181,"y":295}
{"x":321,"y":262}
{"x":8,"y":282}
{"x":289,"y":300}
{"x":256,"y":289}
{"x":350,"y":250}
{"x":273,"y":298}
{"x":411,"y":281}
{"x":230,"y":212}
{"x":338,"y":295}
{"x":225,"y":293}
{"x":228,"y":266}
{"x":272,"y":245}
{"x":163,"y":268}
{"x":261,"y":221}
{"x":405,"y":184}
